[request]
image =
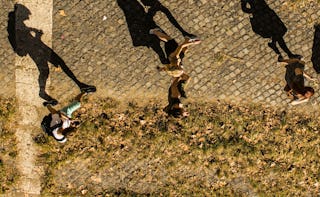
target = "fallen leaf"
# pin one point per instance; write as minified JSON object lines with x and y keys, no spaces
{"x":62,"y":13}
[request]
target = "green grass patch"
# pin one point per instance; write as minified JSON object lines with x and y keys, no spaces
{"x":8,"y":152}
{"x":220,"y":149}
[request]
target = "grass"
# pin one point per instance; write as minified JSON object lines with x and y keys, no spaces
{"x":221,"y":149}
{"x":8,"y":152}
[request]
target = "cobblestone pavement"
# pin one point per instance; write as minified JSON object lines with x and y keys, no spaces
{"x":232,"y":62}
{"x":7,"y":57}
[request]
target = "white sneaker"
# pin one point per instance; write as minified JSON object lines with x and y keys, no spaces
{"x":59,"y":137}
{"x":298,"y":101}
{"x":151,"y":31}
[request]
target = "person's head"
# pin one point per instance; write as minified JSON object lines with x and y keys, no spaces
{"x":308,"y":92}
{"x":150,"y":2}
{"x":22,"y":12}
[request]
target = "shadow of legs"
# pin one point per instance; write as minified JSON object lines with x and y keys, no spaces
{"x":43,"y":77}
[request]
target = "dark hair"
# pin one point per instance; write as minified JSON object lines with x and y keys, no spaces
{"x":309,"y":89}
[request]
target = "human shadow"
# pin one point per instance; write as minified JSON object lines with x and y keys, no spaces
{"x":315,"y":58}
{"x":156,"y":6}
{"x":27,"y":41}
{"x":140,"y":22}
{"x":266,"y":23}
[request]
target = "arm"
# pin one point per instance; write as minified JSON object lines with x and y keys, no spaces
{"x":180,"y":48}
{"x":307,"y":76}
{"x":177,"y":52}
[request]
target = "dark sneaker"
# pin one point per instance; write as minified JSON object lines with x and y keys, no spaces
{"x":52,"y":102}
{"x":192,"y":38}
{"x":280,"y":58}
{"x":88,"y":89}
{"x":295,"y":56}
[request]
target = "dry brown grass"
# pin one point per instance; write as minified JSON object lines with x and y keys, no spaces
{"x":8,"y":152}
{"x":221,"y":149}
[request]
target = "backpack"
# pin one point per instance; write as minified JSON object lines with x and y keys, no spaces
{"x":45,"y":124}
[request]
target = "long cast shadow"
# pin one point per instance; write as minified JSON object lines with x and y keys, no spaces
{"x":27,"y":41}
{"x":266,"y":23}
{"x":315,"y":58}
{"x":140,"y":22}
{"x":156,"y":6}
{"x":139,"y":25}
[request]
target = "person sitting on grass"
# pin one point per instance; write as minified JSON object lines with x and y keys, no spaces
{"x":175,"y":54}
{"x":295,"y":88}
{"x":61,"y":119}
{"x":175,"y":107}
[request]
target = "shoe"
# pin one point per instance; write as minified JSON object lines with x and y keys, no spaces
{"x":299,"y":101}
{"x":88,"y":89}
{"x":193,"y":39}
{"x":295,"y":56}
{"x":151,"y":31}
{"x":280,"y":58}
{"x":59,"y":137}
{"x":52,"y":102}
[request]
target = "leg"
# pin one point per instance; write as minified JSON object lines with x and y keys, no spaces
{"x":172,"y":94}
{"x":183,"y":81}
{"x":284,"y":47}
{"x":68,"y":111}
{"x":79,"y":96}
{"x":288,"y":90}
{"x":174,"y":91}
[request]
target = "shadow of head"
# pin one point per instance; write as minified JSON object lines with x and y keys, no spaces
{"x":150,"y":2}
{"x":22,"y":13}
{"x":317,"y":27}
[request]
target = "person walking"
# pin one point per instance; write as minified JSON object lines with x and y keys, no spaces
{"x":175,"y":53}
{"x":295,"y":87}
{"x":56,"y":123}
